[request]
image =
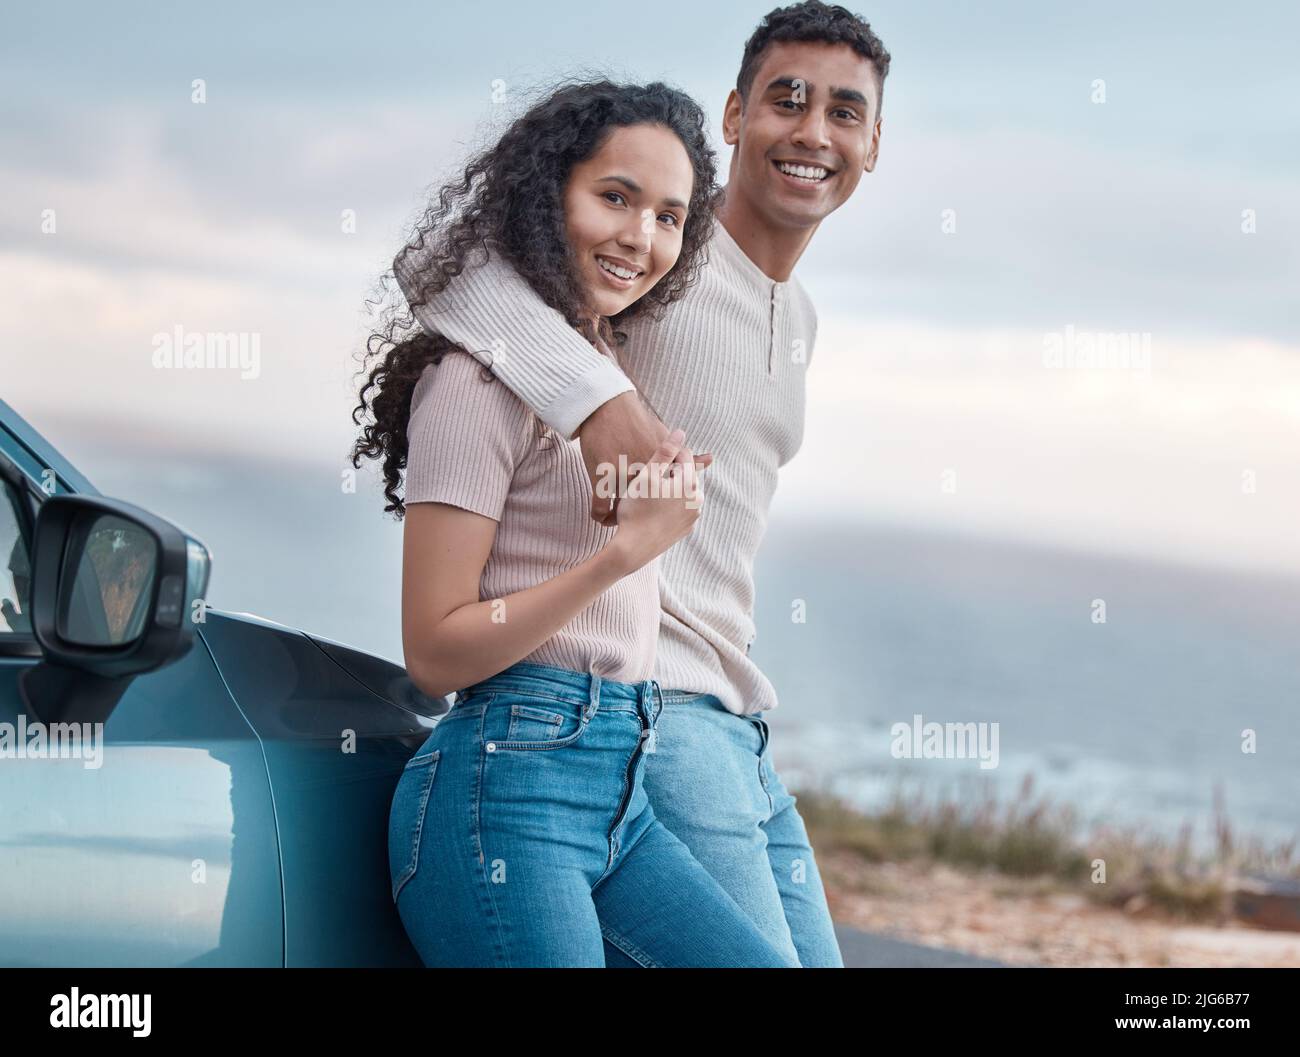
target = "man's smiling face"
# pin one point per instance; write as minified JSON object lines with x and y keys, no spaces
{"x":808,"y":131}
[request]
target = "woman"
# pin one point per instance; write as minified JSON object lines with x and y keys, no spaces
{"x":520,"y":833}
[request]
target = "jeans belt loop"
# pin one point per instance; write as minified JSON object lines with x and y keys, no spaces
{"x":594,"y":702}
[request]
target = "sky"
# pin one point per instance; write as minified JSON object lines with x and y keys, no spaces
{"x":1044,"y":174}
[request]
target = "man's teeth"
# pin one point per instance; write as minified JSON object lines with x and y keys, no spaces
{"x":811,"y":173}
{"x":622,"y":273}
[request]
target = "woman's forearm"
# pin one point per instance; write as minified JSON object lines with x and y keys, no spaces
{"x":480,"y":639}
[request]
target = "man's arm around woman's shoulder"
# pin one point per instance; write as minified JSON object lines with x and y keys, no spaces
{"x":491,"y":311}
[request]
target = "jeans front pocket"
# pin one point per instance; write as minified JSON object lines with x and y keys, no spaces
{"x":523,"y":721}
{"x":530,"y":723}
{"x":406,"y":817}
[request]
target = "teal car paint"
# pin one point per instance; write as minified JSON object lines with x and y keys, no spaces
{"x":235,"y":809}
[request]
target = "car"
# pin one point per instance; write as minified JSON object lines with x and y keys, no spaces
{"x":221,"y":787}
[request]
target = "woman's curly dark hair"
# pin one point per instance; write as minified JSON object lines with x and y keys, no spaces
{"x":511,"y":195}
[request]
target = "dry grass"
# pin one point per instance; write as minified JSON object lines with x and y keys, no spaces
{"x":1029,"y":837}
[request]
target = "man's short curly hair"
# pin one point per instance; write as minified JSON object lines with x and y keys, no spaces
{"x":814,"y":21}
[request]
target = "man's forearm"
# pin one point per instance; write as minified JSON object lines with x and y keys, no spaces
{"x":493,"y":313}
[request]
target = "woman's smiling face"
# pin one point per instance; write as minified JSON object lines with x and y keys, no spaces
{"x":624,"y":209}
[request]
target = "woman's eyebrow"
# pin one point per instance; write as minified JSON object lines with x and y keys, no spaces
{"x":635,"y":188}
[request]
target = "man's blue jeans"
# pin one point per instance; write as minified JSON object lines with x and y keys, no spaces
{"x":520,"y":834}
{"x":712,"y":784}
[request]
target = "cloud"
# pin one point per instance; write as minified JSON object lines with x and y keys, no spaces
{"x":968,"y":430}
{"x":226,"y":218}
{"x":1050,"y":228}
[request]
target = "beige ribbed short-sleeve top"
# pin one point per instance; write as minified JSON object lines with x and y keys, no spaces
{"x":474,"y":444}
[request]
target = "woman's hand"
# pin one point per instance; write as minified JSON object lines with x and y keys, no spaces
{"x":661,"y":505}
{"x":624,"y":426}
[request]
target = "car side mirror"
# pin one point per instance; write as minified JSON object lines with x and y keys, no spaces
{"x":111,"y":594}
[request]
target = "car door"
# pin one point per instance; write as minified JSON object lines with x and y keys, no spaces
{"x":148,"y":841}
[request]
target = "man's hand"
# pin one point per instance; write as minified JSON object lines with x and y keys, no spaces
{"x":621,"y":426}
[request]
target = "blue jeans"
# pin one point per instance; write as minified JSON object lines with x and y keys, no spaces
{"x":520,"y":834}
{"x":713,"y":784}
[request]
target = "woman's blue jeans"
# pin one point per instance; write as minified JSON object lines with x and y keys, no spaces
{"x":521,"y":834}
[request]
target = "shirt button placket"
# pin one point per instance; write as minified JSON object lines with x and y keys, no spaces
{"x":771,"y":343}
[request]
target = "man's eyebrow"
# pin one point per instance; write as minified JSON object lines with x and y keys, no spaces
{"x":844,"y":95}
{"x":635,"y":188}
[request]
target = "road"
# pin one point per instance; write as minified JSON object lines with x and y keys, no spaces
{"x":865,"y":950}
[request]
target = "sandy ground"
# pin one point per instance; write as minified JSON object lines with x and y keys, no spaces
{"x":1029,"y":923}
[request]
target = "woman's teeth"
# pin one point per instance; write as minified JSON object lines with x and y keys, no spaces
{"x":616,"y":269}
{"x":808,"y":173}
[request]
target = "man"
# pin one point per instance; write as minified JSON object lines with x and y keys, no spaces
{"x":725,"y":364}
